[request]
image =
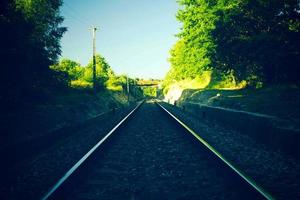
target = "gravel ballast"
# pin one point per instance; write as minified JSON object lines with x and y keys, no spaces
{"x":152,"y":157}
{"x":33,"y":177}
{"x":274,"y":170}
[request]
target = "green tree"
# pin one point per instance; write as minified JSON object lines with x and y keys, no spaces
{"x":149,"y":91}
{"x":103,"y":71}
{"x":190,"y":56}
{"x":30,"y":42}
{"x":72,"y":68}
{"x":256,"y":40}
{"x":259,"y":39}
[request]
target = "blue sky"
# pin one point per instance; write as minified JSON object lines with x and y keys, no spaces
{"x":134,"y":36}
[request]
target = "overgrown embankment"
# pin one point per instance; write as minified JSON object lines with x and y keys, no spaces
{"x":42,"y":114}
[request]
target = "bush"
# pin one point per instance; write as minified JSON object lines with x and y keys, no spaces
{"x":81,"y":84}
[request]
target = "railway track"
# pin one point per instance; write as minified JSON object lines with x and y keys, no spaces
{"x":151,"y":154}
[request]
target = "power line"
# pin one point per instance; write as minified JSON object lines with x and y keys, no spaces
{"x":82,"y":17}
{"x":70,"y":15}
{"x":79,"y":13}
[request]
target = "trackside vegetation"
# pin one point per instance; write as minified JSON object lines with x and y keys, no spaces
{"x":77,"y":76}
{"x":39,"y":90}
{"x":30,"y":42}
{"x":30,"y":49}
{"x":241,"y":43}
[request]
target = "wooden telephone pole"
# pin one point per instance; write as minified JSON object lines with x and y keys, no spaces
{"x":128,"y":88}
{"x":94,"y":58}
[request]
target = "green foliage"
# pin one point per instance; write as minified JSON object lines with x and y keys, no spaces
{"x":189,"y":56}
{"x":71,"y":73}
{"x":30,"y":42}
{"x":149,"y":91}
{"x":72,"y":68}
{"x":225,"y":80}
{"x":81,"y":84}
{"x":103,"y":71}
{"x":44,"y":17}
{"x":199,"y":82}
{"x":259,"y":39}
{"x":253,"y":40}
{"x":116,"y":83}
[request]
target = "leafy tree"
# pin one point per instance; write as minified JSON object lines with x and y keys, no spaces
{"x":149,"y":92}
{"x":122,"y":81}
{"x":259,"y":39}
{"x":103,"y":71}
{"x":190,"y":55}
{"x":72,"y":68}
{"x":29,"y":36}
{"x":256,"y":40}
{"x":45,"y":19}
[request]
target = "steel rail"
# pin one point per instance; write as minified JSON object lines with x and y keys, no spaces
{"x":56,"y":186}
{"x":218,"y":154}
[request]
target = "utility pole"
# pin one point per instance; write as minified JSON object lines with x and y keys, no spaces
{"x":127,"y":89}
{"x":94,"y":58}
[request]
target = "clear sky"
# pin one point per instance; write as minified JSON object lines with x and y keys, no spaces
{"x":134,"y":36}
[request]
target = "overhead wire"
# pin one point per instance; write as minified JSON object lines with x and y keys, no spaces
{"x":79,"y":13}
{"x":70,"y":16}
{"x":73,"y":13}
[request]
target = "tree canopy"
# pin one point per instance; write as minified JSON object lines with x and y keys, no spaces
{"x":258,"y":40}
{"x":73,"y":74}
{"x":30,"y":42}
{"x":72,"y":68}
{"x":103,"y":70}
